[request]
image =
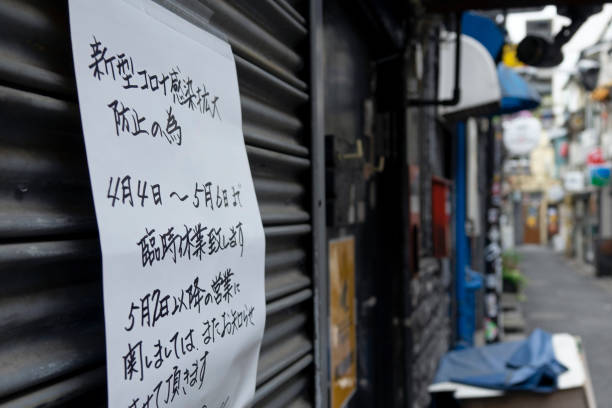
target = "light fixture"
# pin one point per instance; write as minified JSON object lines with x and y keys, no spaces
{"x":539,"y":51}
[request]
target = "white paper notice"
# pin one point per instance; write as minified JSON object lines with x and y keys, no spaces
{"x":181,"y":234}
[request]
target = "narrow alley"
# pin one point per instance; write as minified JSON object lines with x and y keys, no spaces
{"x":562,"y":296}
{"x":305,"y":204}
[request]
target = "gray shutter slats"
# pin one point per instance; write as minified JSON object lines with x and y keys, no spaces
{"x":272,"y":139}
{"x":35,"y":266}
{"x":255,"y":44}
{"x":264,"y":115}
{"x":36,"y":358}
{"x":30,"y":165}
{"x":286,"y":260}
{"x":14,"y":71}
{"x":285,"y":353}
{"x":283,"y":22}
{"x":289,"y":8}
{"x":47,"y":309}
{"x":286,"y":281}
{"x":34,"y":45}
{"x":288,"y":301}
{"x":36,"y":111}
{"x":280,"y":386}
{"x":270,"y":128}
{"x":55,"y":394}
{"x":40,"y":219}
{"x":51,"y":323}
{"x":257,"y":82}
{"x":286,"y":336}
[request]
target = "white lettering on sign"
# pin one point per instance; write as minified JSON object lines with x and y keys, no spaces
{"x":180,"y":229}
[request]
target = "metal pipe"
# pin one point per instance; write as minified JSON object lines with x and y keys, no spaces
{"x":457,"y":88}
{"x":319,"y":238}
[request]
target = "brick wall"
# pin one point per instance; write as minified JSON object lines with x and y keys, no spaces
{"x":431,"y":326}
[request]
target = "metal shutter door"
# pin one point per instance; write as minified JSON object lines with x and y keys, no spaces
{"x":51,"y":322}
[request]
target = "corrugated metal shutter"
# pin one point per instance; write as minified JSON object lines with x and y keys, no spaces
{"x":51,"y":322}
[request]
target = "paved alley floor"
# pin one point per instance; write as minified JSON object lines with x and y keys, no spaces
{"x":564,"y":297}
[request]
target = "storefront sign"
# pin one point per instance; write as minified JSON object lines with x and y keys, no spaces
{"x":555,"y":193}
{"x":522,"y":135}
{"x":180,"y":231}
{"x":573,"y":181}
{"x":595,"y":156}
{"x":343,"y":351}
{"x":600,"y":175}
{"x":492,"y":251}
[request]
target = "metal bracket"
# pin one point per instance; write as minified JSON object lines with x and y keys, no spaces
{"x":457,"y":90}
{"x":370,"y":168}
{"x":357,"y":154}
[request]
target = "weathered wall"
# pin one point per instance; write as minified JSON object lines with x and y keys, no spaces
{"x":430,"y":324}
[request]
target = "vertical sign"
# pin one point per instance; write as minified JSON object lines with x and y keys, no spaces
{"x":342,"y":321}
{"x":493,"y":258}
{"x":180,"y":231}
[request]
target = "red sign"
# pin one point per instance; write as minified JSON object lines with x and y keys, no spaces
{"x":596,"y":156}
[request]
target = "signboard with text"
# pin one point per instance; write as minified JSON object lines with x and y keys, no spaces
{"x":522,"y":135}
{"x":180,"y":230}
{"x":600,"y":175}
{"x":573,"y":181}
{"x":343,"y":350}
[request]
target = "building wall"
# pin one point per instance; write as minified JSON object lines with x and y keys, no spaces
{"x":430,"y":324}
{"x":431,"y":286}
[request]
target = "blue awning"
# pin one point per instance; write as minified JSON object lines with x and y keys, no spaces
{"x":479,"y":83}
{"x":485,"y":31}
{"x":517,"y":94}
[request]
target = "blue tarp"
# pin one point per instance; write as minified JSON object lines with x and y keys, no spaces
{"x":526,"y":365}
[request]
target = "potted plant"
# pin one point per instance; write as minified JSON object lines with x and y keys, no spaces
{"x":513,"y":280}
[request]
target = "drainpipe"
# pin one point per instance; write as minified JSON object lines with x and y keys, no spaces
{"x":464,"y":334}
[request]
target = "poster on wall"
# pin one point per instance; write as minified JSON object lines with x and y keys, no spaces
{"x":343,"y":342}
{"x":180,"y":230}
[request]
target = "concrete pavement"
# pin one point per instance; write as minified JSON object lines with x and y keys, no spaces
{"x":563,"y":296}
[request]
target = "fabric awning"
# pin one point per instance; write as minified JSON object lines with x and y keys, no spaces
{"x":485,"y":31}
{"x":480,"y":90}
{"x":517,"y":94}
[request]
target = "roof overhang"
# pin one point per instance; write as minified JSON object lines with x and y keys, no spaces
{"x":517,"y":94}
{"x":480,"y":89}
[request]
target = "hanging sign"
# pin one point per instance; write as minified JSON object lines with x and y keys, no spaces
{"x":573,"y":181}
{"x":600,"y":175}
{"x":522,"y":135}
{"x":555,"y":193}
{"x":595,"y":156}
{"x":180,"y":231}
{"x":492,"y":251}
{"x":343,"y":350}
